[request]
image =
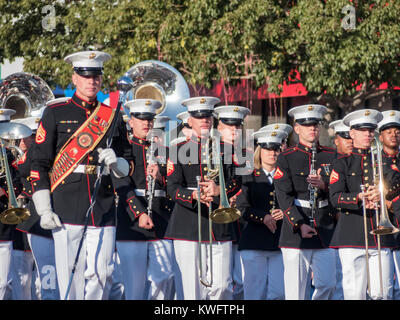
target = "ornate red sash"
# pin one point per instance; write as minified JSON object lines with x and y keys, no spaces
{"x":84,"y":140}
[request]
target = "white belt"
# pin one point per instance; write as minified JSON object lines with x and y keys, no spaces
{"x":88,"y":169}
{"x":306,"y":203}
{"x":157,"y":193}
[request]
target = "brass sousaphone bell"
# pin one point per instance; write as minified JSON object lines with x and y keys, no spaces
{"x":11,"y":132}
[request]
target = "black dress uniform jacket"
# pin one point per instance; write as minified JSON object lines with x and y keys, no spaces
{"x":183,"y":224}
{"x":71,"y":199}
{"x":293,"y":167}
{"x":131,"y":205}
{"x":255,"y":201}
{"x":32,"y":225}
{"x":391,"y":164}
{"x":348,"y":173}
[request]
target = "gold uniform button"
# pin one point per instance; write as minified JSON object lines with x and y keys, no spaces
{"x":353,"y":173}
{"x":68,"y":130}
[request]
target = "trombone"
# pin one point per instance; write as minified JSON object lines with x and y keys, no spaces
{"x":224,"y":213}
{"x":12,"y":131}
{"x":384,"y":226}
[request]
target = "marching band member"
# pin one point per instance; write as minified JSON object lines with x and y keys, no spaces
{"x":348,"y":173}
{"x":40,"y":240}
{"x":344,"y":145}
{"x":230,"y":124}
{"x":282,"y":127}
{"x":22,"y":265}
{"x":144,"y":255}
{"x":69,"y":147}
{"x":6,"y":230}
{"x":260,"y":237}
{"x":187,"y":160}
{"x":308,"y":222}
{"x":389,"y":136}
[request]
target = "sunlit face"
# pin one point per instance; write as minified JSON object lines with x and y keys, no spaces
{"x":344,"y":146}
{"x":390,"y":137}
{"x":25,"y":143}
{"x":229,"y":133}
{"x":87,"y":87}
{"x":200,"y":126}
{"x":141,"y":128}
{"x":269,"y":157}
{"x":362,"y":138}
{"x":308,"y":134}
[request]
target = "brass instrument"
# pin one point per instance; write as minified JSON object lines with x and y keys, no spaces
{"x":366,"y":241}
{"x":14,"y":214}
{"x":25,"y":93}
{"x":384,"y":226}
{"x":224,"y":213}
{"x":383,"y":222}
{"x":152,"y":79}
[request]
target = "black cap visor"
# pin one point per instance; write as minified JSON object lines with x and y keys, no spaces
{"x":389,"y":125}
{"x":88,"y":71}
{"x":344,"y":134}
{"x":309,"y":121}
{"x":232,"y":121}
{"x":270,"y":145}
{"x":364,"y":126}
{"x":143,"y":115}
{"x":201,"y":114}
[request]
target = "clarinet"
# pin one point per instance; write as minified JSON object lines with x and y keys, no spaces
{"x":150,"y":180}
{"x":272,"y":202}
{"x":311,"y":188}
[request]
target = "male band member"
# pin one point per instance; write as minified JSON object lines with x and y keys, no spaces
{"x":22,"y":266}
{"x":187,"y":160}
{"x":308,"y":223}
{"x":230,"y":126}
{"x":279,"y":126}
{"x":344,"y":145}
{"x":348,"y":173}
{"x":70,"y":145}
{"x":389,"y":136}
{"x":342,"y":140}
{"x":40,"y":240}
{"x":144,"y":255}
{"x":6,"y":230}
{"x":260,"y":237}
{"x":183,"y":131}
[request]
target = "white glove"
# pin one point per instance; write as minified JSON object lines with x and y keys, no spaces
{"x":48,"y":219}
{"x":119,"y":166}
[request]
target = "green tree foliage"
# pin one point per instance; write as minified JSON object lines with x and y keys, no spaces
{"x":206,"y":40}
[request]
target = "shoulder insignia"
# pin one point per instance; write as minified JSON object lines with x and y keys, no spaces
{"x":35,"y":175}
{"x":278,"y":173}
{"x":40,"y":134}
{"x":257,"y":173}
{"x":334,"y":177}
{"x":170,"y":167}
